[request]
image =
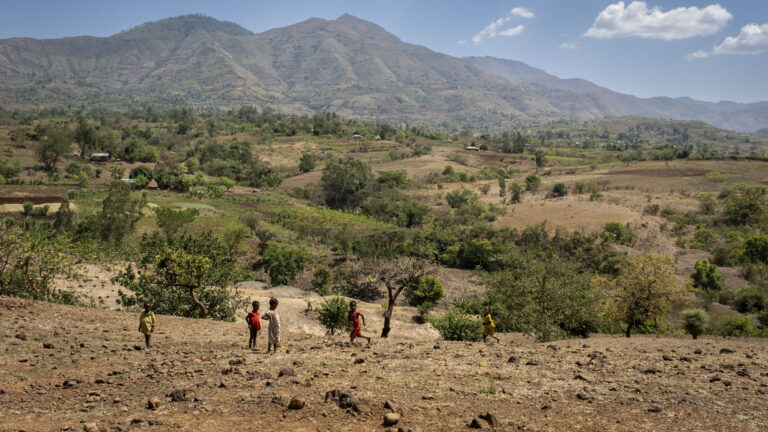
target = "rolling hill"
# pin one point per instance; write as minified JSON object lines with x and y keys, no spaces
{"x":348,"y":65}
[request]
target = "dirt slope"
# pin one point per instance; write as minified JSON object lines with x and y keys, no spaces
{"x":68,"y":368}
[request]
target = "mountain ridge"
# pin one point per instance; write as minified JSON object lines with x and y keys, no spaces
{"x":347,"y":65}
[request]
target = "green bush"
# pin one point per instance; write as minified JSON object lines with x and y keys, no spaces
{"x":469,"y":306}
{"x":558,"y":190}
{"x":28,"y":208}
{"x":460,"y":197}
{"x":455,"y":325}
{"x":307,"y":162}
{"x":532,"y":183}
{"x":322,"y":280}
{"x":756,"y":248}
{"x":705,"y":276}
{"x":737,"y":325}
{"x":725,"y":298}
{"x":283,"y":264}
{"x":651,"y":209}
{"x":333,"y":314}
{"x":424,"y":290}
{"x":749,"y":300}
{"x":695,"y":321}
{"x":763,"y":318}
{"x":142,"y":171}
{"x":619,"y":232}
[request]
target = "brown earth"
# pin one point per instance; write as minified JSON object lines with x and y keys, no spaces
{"x":70,"y":368}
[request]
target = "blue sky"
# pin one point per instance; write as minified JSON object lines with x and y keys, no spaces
{"x":704,"y":49}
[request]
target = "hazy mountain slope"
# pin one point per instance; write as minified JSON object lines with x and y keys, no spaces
{"x":729,"y":115}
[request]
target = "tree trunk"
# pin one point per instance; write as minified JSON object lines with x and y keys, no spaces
{"x":629,"y":330}
{"x":387,"y":318}
{"x":203,"y":309}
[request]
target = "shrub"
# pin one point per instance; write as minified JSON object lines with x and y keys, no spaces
{"x":532,"y":183}
{"x":558,"y":190}
{"x":424,"y":290}
{"x":460,"y":197}
{"x":333,"y":314}
{"x":756,"y":248}
{"x":28,"y":208}
{"x":763,"y":318}
{"x":737,"y":325}
{"x":346,"y":182}
{"x":142,"y":171}
{"x":695,"y":321}
{"x":651,"y":209}
{"x":619,"y":232}
{"x":41,"y":211}
{"x":484,"y":188}
{"x":725,"y":298}
{"x":749,"y":300}
{"x":283,"y":264}
{"x":322,"y":280}
{"x":469,"y":306}
{"x":307,"y":162}
{"x":455,"y":325}
{"x":706,"y":277}
{"x":9,"y":169}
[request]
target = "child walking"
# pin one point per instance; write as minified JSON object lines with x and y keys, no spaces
{"x":274,"y":325}
{"x":254,"y":324}
{"x":489,"y":328}
{"x":147,"y":324}
{"x":354,"y":318}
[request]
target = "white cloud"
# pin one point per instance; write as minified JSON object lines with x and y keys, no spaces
{"x":753,"y":39}
{"x":521,"y":12}
{"x":637,"y":20}
{"x":569,"y":46}
{"x":462,"y":42}
{"x":513,"y":31}
{"x":494,"y":29}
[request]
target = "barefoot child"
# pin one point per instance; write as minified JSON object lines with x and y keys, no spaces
{"x":147,"y":323}
{"x":254,"y":324}
{"x":489,"y":328}
{"x":274,"y":325}
{"x":354,"y":318}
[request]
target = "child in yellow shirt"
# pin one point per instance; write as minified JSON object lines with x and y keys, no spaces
{"x":489,"y":328}
{"x":147,"y":323}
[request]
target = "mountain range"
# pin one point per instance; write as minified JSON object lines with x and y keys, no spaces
{"x":349,"y":66}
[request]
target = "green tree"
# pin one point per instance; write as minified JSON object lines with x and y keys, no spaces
{"x":705,"y":276}
{"x":532,"y":183}
{"x":307,"y":162}
{"x":745,"y":204}
{"x":51,"y":148}
{"x":283,"y":264}
{"x":549,"y":297}
{"x":749,"y":300}
{"x":424,"y":292}
{"x":188,"y":276}
{"x":695,"y":321}
{"x":756,"y":248}
{"x":541,"y":159}
{"x":558,"y":190}
{"x":86,"y":138}
{"x":171,"y":221}
{"x":142,"y":170}
{"x":333,"y":314}
{"x":460,"y":197}
{"x":644,"y":291}
{"x":227,"y":183}
{"x":119,"y":212}
{"x":193,"y":165}
{"x":346,"y":182}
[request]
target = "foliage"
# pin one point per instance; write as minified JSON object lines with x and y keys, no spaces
{"x":532,"y":183}
{"x":119,"y":213}
{"x":31,"y":261}
{"x":749,"y":300}
{"x":460,"y":197}
{"x":756,"y":248}
{"x":322,"y":280}
{"x":333,"y":314}
{"x":51,"y":148}
{"x":455,"y":325}
{"x":515,"y":193}
{"x":188,"y":276}
{"x":307,"y":162}
{"x":283,"y":264}
{"x":395,"y":207}
{"x":651,"y":209}
{"x":425,"y":290}
{"x":644,"y":291}
{"x":171,"y":221}
{"x":469,"y":306}
{"x":695,"y":321}
{"x":9,"y":169}
{"x":550,"y":297}
{"x":706,"y":277}
{"x":141,"y":170}
{"x":745,"y":204}
{"x":619,"y":232}
{"x":346,"y":182}
{"x":737,"y":325}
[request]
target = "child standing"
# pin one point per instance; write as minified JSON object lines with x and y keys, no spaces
{"x":254,"y":324}
{"x":147,"y":323}
{"x":489,"y":328}
{"x":354,"y":318}
{"x":274,"y":325}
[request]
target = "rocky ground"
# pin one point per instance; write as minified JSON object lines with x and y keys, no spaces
{"x":69,"y":368}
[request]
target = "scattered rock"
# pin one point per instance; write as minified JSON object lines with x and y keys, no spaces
{"x":697,"y":351}
{"x":296,"y":403}
{"x":21,"y":336}
{"x":390,"y":405}
{"x":490,"y":418}
{"x":391,"y":419}
{"x":237,"y":361}
{"x":90,"y":427}
{"x":531,"y":363}
{"x":654,"y":408}
{"x":178,"y":395}
{"x":512,"y":359}
{"x":476,"y":423}
{"x":359,"y":360}
{"x":726,"y":351}
{"x":363,"y":409}
{"x":48,"y":345}
{"x":288,"y":372}
{"x":153,"y":403}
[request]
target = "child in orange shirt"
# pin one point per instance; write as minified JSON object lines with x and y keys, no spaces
{"x":254,"y":324}
{"x":354,"y":317}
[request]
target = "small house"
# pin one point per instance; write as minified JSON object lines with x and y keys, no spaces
{"x":99,"y":157}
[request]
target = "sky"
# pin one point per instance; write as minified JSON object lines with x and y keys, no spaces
{"x":702,"y":49}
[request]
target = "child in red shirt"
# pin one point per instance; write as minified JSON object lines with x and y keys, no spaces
{"x":254,"y":324}
{"x":354,"y":318}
